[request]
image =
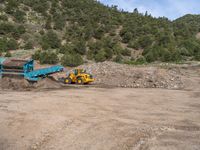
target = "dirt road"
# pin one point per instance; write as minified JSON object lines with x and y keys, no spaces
{"x":100,"y":118}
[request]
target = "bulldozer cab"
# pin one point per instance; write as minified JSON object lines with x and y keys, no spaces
{"x":79,"y":71}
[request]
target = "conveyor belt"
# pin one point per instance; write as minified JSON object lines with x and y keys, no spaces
{"x":36,"y":74}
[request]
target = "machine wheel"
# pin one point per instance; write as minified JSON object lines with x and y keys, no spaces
{"x":68,"y":81}
{"x":79,"y":81}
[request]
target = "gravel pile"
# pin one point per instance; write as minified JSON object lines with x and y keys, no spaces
{"x":118,"y":75}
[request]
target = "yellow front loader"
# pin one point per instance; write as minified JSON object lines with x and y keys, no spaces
{"x":78,"y":76}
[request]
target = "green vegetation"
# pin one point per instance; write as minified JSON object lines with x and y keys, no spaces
{"x":50,"y":40}
{"x":8,"y":44}
{"x":72,"y":60}
{"x":87,"y":28}
{"x":46,"y":57}
{"x":28,"y":45}
{"x":8,"y":54}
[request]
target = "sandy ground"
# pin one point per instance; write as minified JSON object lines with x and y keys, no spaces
{"x":99,"y":118}
{"x":91,"y":118}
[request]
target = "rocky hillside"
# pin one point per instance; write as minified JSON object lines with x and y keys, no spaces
{"x":72,"y":32}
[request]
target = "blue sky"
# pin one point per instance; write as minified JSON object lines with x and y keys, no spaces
{"x":168,"y":8}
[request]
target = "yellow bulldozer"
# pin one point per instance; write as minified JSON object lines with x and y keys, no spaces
{"x":78,"y":76}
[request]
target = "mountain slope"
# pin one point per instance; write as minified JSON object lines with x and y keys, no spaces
{"x":190,"y":22}
{"x":82,"y":28}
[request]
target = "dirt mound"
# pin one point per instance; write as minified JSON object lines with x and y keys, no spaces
{"x":22,"y":84}
{"x":113,"y":74}
{"x":14,"y":84}
{"x":47,"y":83}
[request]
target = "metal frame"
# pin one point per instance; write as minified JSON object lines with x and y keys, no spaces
{"x":28,"y":71}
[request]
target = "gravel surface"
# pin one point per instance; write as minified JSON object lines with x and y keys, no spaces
{"x":120,"y":75}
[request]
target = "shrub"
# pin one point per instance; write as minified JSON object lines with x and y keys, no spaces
{"x":80,"y":47}
{"x":50,"y":40}
{"x":48,"y":23}
{"x":8,"y":54}
{"x":126,"y":37}
{"x":45,"y":45}
{"x":19,"y":15}
{"x":41,"y":32}
{"x":6,"y":28}
{"x":28,"y":45}
{"x":197,"y":57}
{"x":46,"y":57}
{"x":99,"y":33}
{"x":3,"y":18}
{"x":66,"y":48}
{"x":144,"y":41}
{"x":95,"y":46}
{"x":100,"y":56}
{"x":118,"y":59}
{"x":117,"y":49}
{"x":176,"y":56}
{"x":36,"y":55}
{"x":107,"y":42}
{"x":90,"y":54}
{"x":12,"y":44}
{"x":164,"y":40}
{"x":18,"y":31}
{"x":11,"y":5}
{"x":59,"y":22}
{"x":185,"y":52}
{"x":126,"y":52}
{"x":3,"y":44}
{"x":8,"y":44}
{"x":150,"y":57}
{"x":108,"y":53}
{"x":89,"y":32}
{"x":157,"y":53}
{"x":71,"y":60}
{"x":140,"y":60}
{"x":166,"y":56}
{"x":192,"y":46}
{"x":133,"y":44}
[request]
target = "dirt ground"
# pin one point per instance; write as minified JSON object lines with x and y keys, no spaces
{"x":91,"y":118}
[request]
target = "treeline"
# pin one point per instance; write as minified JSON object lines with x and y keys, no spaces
{"x":87,"y":30}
